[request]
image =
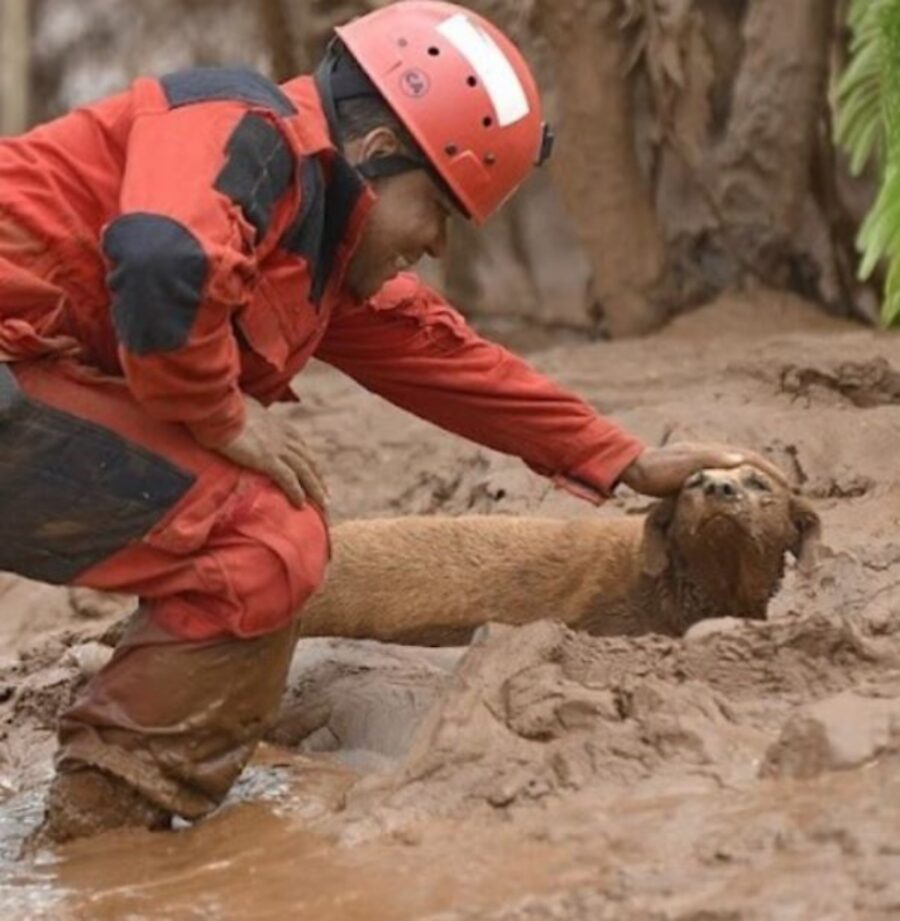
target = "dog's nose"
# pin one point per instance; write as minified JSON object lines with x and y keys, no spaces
{"x":720,"y":487}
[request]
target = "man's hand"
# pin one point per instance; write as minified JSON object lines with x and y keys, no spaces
{"x":662,"y":471}
{"x":272,"y":445}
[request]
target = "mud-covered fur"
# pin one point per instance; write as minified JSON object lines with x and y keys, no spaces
{"x":717,"y":549}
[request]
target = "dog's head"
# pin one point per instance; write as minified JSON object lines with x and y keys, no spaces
{"x":726,"y":535}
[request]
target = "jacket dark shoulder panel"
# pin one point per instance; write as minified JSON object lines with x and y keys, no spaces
{"x":207,"y":84}
{"x":258,"y":170}
{"x":259,"y":164}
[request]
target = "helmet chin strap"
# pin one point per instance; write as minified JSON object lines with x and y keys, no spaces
{"x":384,"y":167}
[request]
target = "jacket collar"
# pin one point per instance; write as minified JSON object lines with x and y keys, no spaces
{"x":310,"y":124}
{"x":348,"y":198}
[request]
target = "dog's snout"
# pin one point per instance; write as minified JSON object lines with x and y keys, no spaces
{"x":720,"y":487}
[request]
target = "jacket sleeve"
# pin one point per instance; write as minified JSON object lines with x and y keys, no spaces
{"x":409,"y":346}
{"x":203,"y":186}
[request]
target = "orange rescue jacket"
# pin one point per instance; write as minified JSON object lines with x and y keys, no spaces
{"x":192,"y":234}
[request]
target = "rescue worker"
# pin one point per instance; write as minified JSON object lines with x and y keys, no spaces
{"x":170,"y":258}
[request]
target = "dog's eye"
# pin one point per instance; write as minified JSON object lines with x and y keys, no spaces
{"x":755,"y":482}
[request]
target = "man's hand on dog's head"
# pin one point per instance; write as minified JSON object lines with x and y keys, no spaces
{"x":662,"y":471}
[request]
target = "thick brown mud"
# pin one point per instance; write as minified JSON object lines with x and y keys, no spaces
{"x":748,"y":771}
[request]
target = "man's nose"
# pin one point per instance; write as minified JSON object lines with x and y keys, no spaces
{"x":717,"y":486}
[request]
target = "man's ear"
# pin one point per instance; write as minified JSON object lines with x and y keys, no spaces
{"x":808,"y":527}
{"x":379,"y":142}
{"x":656,"y":537}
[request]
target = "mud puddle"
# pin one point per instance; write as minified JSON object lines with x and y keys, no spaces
{"x":685,"y":854}
{"x":260,"y":860}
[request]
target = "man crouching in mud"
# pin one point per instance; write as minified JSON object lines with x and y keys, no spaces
{"x":170,"y":258}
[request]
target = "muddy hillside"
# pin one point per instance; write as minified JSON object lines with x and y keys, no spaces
{"x":751,"y":771}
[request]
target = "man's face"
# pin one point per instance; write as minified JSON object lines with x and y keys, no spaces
{"x":408,"y":221}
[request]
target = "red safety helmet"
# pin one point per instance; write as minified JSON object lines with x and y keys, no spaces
{"x":462,"y":89}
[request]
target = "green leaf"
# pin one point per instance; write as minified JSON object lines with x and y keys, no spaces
{"x":867,"y":127}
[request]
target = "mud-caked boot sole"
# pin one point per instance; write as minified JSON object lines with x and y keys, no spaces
{"x":88,"y":801}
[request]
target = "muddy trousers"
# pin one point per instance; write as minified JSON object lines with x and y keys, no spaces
{"x":221,"y":575}
{"x":177,"y":720}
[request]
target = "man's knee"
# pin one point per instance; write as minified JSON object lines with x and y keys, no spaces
{"x":255,"y":574}
{"x":281,"y":568}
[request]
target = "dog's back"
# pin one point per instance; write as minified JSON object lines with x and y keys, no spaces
{"x":433,"y":581}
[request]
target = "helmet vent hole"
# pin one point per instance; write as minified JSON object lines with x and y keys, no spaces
{"x":487,"y":121}
{"x":434,"y":51}
{"x":402,"y":42}
{"x":472,"y":81}
{"x":451,"y":150}
{"x":490,"y":159}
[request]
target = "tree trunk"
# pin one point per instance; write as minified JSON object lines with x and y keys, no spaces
{"x":15,"y":44}
{"x":596,"y":164}
{"x":696,"y":150}
{"x":286,"y":53}
{"x":753,"y":210}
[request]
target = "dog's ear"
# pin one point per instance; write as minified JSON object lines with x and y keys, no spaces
{"x":808,"y":528}
{"x":656,"y":537}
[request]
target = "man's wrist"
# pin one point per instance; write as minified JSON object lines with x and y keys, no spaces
{"x":634,"y":475}
{"x":216,"y":434}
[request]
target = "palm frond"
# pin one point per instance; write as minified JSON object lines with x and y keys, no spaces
{"x":868,"y":127}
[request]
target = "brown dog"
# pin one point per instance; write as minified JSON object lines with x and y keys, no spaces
{"x":717,"y":549}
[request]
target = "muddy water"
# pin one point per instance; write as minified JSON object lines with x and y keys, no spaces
{"x":259,"y":860}
{"x":702,"y":853}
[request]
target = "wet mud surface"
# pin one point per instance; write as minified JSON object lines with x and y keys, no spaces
{"x":747,"y":771}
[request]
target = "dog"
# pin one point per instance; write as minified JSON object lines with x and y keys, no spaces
{"x":716,"y":549}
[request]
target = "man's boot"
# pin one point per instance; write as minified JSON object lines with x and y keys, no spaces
{"x":89,"y":801}
{"x":164,"y":728}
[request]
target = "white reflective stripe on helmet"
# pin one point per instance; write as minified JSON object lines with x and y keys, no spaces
{"x":504,"y":88}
